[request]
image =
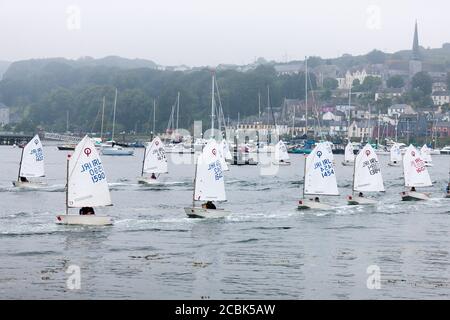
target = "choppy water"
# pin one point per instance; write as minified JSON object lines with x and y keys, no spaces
{"x":265,"y":249}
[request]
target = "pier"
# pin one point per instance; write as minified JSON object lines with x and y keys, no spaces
{"x":9,"y":138}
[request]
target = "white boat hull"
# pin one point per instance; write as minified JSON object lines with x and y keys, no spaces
{"x":29,"y":185}
{"x":313,"y":205}
{"x":347,"y":164}
{"x":285,"y":163}
{"x":358,"y":201}
{"x":392,"y":164}
{"x":148,"y":181}
{"x":206,"y":213}
{"x":88,"y":220}
{"x":414,"y":196}
{"x":117,"y":152}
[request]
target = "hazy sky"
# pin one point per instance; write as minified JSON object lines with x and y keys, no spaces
{"x":209,"y":32}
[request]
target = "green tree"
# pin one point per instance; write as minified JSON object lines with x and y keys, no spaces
{"x":376,"y":57}
{"x":422,"y":82}
{"x":330,"y":84}
{"x":395,"y":82}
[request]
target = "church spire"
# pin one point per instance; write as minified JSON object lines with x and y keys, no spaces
{"x":415,"y":49}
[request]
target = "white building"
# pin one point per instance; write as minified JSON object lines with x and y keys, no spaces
{"x":359,"y":129}
{"x":399,"y":109}
{"x":440,"y":98}
{"x":347,"y":82}
{"x":4,"y":114}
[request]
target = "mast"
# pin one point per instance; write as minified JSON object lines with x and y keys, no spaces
{"x":212,"y":106}
{"x":114,"y":115}
{"x":354,"y":170}
{"x":306,"y":95}
{"x":67,"y":185}
{"x":195,"y":180}
{"x":378,"y":135}
{"x":67,"y":121}
{"x":103,"y":117}
{"x":178,"y":109}
{"x":154,"y":117}
{"x":20,"y":165}
{"x":396,"y":127}
{"x":259,"y":107}
{"x":304,"y":177}
{"x":143,"y":161}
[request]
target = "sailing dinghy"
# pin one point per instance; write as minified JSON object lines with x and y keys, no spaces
{"x":395,"y":155}
{"x":415,"y":174}
{"x":349,"y":157}
{"x":425,"y":153}
{"x":319,"y":178}
{"x":366,"y":176}
{"x":281,"y":154}
{"x":31,"y":165}
{"x":209,"y":183}
{"x":86,"y":186}
{"x":154,"y":163}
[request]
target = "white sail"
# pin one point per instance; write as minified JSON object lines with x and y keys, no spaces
{"x":209,"y":180}
{"x":281,"y":151}
{"x":32,"y":165}
{"x":87,"y":185}
{"x":425,"y":154}
{"x":221,"y":151}
{"x":396,"y":153}
{"x":226,"y":150}
{"x":368,"y":176}
{"x":155,"y":157}
{"x":414,"y":169}
{"x":349,"y":154}
{"x":320,"y":177}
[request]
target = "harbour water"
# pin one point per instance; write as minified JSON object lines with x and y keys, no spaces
{"x":265,"y":250}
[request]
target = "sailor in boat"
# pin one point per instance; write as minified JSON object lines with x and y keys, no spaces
{"x":316,"y":199}
{"x":24,"y":179}
{"x":209,"y":205}
{"x":448,"y":189}
{"x":87,"y":211}
{"x":361,"y":195}
{"x":153,"y":177}
{"x":413,"y":189}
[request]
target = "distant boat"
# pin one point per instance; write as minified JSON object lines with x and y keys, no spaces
{"x":415,"y":174}
{"x":319,"y":178}
{"x":31,"y":165}
{"x":154,"y":163}
{"x":395,"y":155}
{"x":86,"y":186}
{"x":349,"y":156}
{"x":367,"y":176}
{"x":445,"y":150}
{"x":209,"y":183}
{"x":425,"y":153}
{"x":281,"y":155}
{"x":112,"y":148}
{"x":65,"y":147}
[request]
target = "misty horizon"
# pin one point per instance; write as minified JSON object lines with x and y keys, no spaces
{"x":208,"y":33}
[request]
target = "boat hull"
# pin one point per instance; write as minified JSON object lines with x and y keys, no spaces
{"x":414,"y":196}
{"x":392,"y":164}
{"x":283,"y":164}
{"x":29,"y":185}
{"x":148,"y":181}
{"x":312,"y":205}
{"x":117,"y":152}
{"x":206,"y":213}
{"x":91,"y":220}
{"x":358,"y":201}
{"x":347,"y":164}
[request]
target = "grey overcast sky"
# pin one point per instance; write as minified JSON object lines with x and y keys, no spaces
{"x":209,"y":32}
